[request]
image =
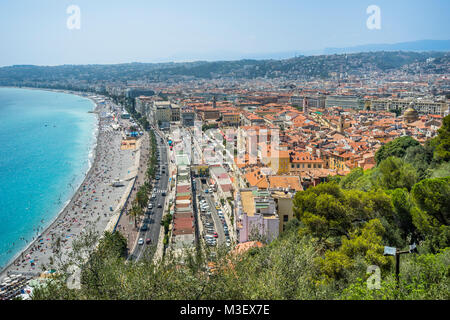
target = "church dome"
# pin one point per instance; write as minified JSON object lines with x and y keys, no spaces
{"x":411,"y":114}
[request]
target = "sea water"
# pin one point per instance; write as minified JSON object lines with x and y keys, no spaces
{"x":46,"y":146}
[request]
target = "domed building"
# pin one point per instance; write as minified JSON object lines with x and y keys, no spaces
{"x":410,"y":114}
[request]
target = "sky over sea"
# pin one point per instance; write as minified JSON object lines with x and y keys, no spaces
{"x":36,"y":32}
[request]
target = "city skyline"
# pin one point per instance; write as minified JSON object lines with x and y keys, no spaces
{"x":113,"y":33}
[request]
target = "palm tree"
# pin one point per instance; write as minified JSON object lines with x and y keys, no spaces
{"x":136,"y":211}
{"x":142,"y":196}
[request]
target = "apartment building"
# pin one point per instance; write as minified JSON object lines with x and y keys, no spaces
{"x":256,"y":215}
{"x":346,"y":102}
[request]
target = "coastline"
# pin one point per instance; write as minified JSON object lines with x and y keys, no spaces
{"x":12,"y":267}
{"x":87,"y":173}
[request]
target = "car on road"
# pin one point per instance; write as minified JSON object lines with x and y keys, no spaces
{"x":144,"y":227}
{"x":154,"y":196}
{"x":148,"y":241}
{"x":159,"y":205}
{"x":141,"y":241}
{"x":163,"y":194}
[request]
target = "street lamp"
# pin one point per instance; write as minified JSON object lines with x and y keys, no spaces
{"x":390,"y":251}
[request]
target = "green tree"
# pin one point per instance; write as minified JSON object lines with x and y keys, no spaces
{"x":142,"y":196}
{"x":327,"y":211}
{"x":441,"y":143}
{"x":433,"y":197}
{"x":396,"y":173}
{"x":365,"y":242}
{"x":348,"y":180}
{"x":136,"y":212}
{"x":431,"y":217}
{"x":396,"y":148}
{"x":403,"y":205}
{"x":420,"y":158}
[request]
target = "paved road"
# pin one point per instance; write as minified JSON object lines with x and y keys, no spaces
{"x":155,"y":217}
{"x":218,"y":226}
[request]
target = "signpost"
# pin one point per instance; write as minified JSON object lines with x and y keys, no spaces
{"x":390,"y":251}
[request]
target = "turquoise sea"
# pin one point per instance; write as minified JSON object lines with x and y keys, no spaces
{"x":46,"y":146}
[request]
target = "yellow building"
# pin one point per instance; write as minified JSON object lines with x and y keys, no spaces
{"x":303,"y":161}
{"x":339,"y":161}
{"x":231,"y":118}
{"x":280,"y":161}
{"x":284,"y":206}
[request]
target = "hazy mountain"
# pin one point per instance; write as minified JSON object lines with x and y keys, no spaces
{"x":421,"y":45}
{"x":412,"y":46}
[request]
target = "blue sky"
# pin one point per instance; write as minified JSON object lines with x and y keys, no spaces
{"x":117,"y":31}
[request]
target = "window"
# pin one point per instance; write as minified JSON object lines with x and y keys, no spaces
{"x":309,"y":165}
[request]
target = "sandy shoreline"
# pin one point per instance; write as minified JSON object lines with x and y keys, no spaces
{"x":39,"y":249}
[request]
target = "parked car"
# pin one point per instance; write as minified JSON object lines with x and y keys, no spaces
{"x":159,"y":205}
{"x":163,"y":194}
{"x":144,"y":227}
{"x":141,"y":241}
{"x":148,"y":241}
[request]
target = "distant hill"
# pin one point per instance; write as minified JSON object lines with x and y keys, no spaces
{"x":303,"y":67}
{"x":421,"y":45}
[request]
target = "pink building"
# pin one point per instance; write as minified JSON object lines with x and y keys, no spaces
{"x":255,"y":213}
